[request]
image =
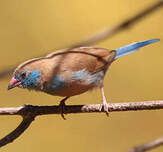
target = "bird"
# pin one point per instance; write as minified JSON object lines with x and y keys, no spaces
{"x":71,"y":71}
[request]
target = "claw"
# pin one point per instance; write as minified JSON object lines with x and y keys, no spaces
{"x":62,"y":107}
{"x":105,"y":107}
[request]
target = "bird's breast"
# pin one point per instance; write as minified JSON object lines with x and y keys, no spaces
{"x":73,"y":83}
{"x":55,"y":85}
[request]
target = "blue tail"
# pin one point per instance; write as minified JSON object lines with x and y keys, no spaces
{"x":132,"y":47}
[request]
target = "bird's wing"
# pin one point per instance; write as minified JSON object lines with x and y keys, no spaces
{"x":91,"y":59}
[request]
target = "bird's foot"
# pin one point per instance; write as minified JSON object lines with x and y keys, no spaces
{"x":105,"y":107}
{"x":62,"y":107}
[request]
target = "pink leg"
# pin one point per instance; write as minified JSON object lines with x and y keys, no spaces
{"x":104,"y":102}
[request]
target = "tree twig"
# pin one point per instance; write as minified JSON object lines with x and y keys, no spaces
{"x":148,"y":146}
{"x":105,"y":33}
{"x":117,"y":28}
{"x":29,"y":112}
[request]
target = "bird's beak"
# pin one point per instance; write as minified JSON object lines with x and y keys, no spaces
{"x":13,"y":83}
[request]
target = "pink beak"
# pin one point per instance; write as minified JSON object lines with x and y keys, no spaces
{"x":13,"y":83}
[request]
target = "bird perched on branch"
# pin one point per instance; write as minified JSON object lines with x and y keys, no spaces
{"x":70,"y":72}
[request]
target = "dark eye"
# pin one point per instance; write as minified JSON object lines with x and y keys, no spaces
{"x":23,"y":75}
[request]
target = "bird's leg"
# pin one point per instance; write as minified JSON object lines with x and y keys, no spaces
{"x":62,"y":106}
{"x":104,"y":102}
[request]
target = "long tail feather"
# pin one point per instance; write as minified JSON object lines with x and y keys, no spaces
{"x":132,"y":47}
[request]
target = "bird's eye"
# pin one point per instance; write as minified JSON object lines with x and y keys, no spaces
{"x":23,"y":75}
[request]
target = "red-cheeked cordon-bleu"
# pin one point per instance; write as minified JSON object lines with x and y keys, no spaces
{"x":69,"y":73}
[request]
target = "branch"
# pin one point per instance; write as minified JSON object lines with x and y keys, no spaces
{"x":117,"y":28}
{"x":148,"y":146}
{"x":107,"y":33}
{"x":29,"y":112}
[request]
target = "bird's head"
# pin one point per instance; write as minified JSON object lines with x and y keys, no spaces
{"x":25,"y":79}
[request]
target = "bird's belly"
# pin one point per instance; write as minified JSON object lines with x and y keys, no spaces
{"x":74,"y":83}
{"x":74,"y":89}
{"x":81,"y":81}
{"x":59,"y":87}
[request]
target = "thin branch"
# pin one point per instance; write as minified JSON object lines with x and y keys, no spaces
{"x":17,"y":132}
{"x":148,"y":146}
{"x":107,"y":33}
{"x":29,"y":112}
{"x":117,"y":28}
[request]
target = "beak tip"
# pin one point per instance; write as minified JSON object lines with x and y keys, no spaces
{"x":13,"y":83}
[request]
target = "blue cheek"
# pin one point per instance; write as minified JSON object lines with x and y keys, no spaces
{"x":55,"y":86}
{"x":31,"y":80}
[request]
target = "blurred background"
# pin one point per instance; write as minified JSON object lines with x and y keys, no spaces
{"x":31,"y":28}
